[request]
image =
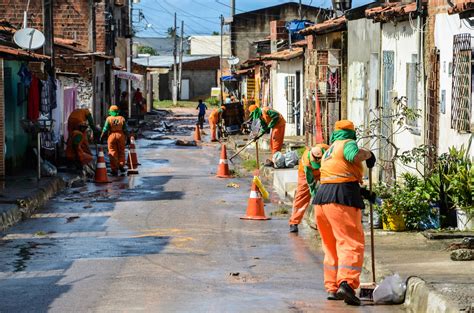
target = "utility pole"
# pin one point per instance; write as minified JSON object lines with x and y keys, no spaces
{"x":175,"y":74}
{"x":220,"y":61}
{"x":300,"y":11}
{"x":181,"y":47}
{"x":232,"y":7}
{"x":48,"y":34}
{"x":130,"y":58}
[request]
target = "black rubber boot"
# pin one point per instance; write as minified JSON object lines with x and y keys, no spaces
{"x":293,"y":228}
{"x":333,"y":296}
{"x":348,"y":294}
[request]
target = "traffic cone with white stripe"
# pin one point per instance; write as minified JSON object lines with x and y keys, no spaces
{"x":255,"y":210}
{"x":223,"y":168}
{"x":132,"y":160}
{"x":197,"y":134}
{"x":101,"y":168}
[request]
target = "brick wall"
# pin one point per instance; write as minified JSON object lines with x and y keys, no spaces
{"x":65,"y":62}
{"x":2,"y":123}
{"x":100,"y":27}
{"x":70,"y":17}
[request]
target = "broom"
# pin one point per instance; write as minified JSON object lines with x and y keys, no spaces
{"x":367,"y":289}
{"x":131,"y":170}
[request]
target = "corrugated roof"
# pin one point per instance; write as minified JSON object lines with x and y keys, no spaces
{"x":334,"y":24}
{"x":22,"y":53}
{"x":166,"y":61}
{"x":461,"y":7}
{"x":284,"y":55}
{"x":391,"y":11}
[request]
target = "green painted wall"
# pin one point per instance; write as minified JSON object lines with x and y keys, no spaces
{"x":15,"y":110}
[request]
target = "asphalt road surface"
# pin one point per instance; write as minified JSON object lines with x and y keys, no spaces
{"x":166,"y":240}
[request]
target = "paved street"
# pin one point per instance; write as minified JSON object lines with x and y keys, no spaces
{"x":167,"y":240}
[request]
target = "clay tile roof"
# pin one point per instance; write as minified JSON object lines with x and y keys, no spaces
{"x":22,"y":53}
{"x":334,"y":24}
{"x":461,"y":7}
{"x":392,"y":11}
{"x":284,"y":55}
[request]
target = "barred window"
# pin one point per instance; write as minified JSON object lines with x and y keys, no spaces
{"x":412,"y":90}
{"x":290,"y":98}
{"x":461,"y":101}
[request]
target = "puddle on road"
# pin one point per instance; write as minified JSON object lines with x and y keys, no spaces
{"x":25,"y":253}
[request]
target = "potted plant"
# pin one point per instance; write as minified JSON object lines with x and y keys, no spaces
{"x":389,"y":212}
{"x":461,"y":191}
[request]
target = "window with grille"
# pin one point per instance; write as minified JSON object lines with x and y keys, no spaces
{"x":290,"y":98}
{"x":461,"y":100}
{"x":412,"y":91}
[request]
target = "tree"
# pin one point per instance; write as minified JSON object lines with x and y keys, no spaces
{"x":214,"y":33}
{"x":146,"y":50}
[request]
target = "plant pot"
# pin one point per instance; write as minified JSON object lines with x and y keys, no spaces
{"x":465,"y":221}
{"x":394,"y":222}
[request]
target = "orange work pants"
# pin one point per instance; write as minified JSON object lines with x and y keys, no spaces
{"x":301,"y":201}
{"x":116,"y":146}
{"x":342,"y":236}
{"x":213,"y":126}
{"x":277,"y":136}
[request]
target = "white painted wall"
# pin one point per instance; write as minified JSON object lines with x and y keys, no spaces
{"x":445,"y":28}
{"x":209,"y":45}
{"x":402,"y":39}
{"x":282,"y":70}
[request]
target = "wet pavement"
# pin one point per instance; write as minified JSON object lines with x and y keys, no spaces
{"x":166,"y":240}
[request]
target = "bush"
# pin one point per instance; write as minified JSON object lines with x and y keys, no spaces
{"x":212,"y":101}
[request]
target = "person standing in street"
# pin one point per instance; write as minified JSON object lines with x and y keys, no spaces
{"x":116,"y":128}
{"x":202,"y":112}
{"x":308,"y":178}
{"x":214,"y":120}
{"x":270,"y":120}
{"x":338,"y":212}
{"x":138,"y":101}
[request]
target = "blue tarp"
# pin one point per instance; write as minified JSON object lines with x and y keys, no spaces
{"x":229,"y":78}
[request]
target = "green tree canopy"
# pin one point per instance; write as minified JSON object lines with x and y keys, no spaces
{"x":146,"y":49}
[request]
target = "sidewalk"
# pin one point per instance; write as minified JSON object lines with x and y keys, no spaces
{"x":20,"y":196}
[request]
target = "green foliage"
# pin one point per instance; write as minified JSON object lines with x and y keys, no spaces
{"x":410,"y":199}
{"x":214,"y":33}
{"x":300,"y":151}
{"x":146,"y":50}
{"x":212,"y":101}
{"x":250,"y":164}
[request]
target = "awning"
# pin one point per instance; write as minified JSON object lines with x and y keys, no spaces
{"x":229,"y":78}
{"x":128,"y":76}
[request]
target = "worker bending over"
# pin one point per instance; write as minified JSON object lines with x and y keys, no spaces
{"x":77,"y":150}
{"x":338,"y":212}
{"x":117,"y":131}
{"x":214,"y":120}
{"x":308,"y":178}
{"x":270,"y":120}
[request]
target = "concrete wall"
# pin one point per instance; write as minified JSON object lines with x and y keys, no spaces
{"x":402,"y":39}
{"x":280,"y":103}
{"x":253,"y":26}
{"x":445,"y":28}
{"x":200,"y":83}
{"x":363,"y":76}
{"x":209,"y":45}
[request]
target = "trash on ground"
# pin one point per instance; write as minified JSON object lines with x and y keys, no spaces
{"x":188,"y":143}
{"x":462,"y":255}
{"x":391,"y":290}
{"x":233,"y":185}
{"x":71,"y":219}
{"x":234,"y":274}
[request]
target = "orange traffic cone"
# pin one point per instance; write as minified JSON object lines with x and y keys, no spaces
{"x":132,"y":160}
{"x":255,"y":210}
{"x":197,"y":134}
{"x":101,"y":168}
{"x":223,"y":168}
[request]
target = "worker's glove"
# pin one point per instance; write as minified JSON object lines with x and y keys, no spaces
{"x":371,"y":161}
{"x":368,"y":195}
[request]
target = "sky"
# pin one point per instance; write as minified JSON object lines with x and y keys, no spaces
{"x":201,"y":17}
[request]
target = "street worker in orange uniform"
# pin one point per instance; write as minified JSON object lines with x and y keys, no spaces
{"x":270,"y":120}
{"x":79,"y":117}
{"x":214,"y":120}
{"x":308,"y":178}
{"x":338,"y":212}
{"x":116,"y":127}
{"x":78,"y":151}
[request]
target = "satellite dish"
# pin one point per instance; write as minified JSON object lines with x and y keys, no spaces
{"x":233,"y":60}
{"x":29,"y":38}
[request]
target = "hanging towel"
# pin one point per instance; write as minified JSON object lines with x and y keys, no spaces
{"x":34,"y":98}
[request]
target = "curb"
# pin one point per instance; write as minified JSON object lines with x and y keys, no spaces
{"x":27,"y":206}
{"x":420,"y":297}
